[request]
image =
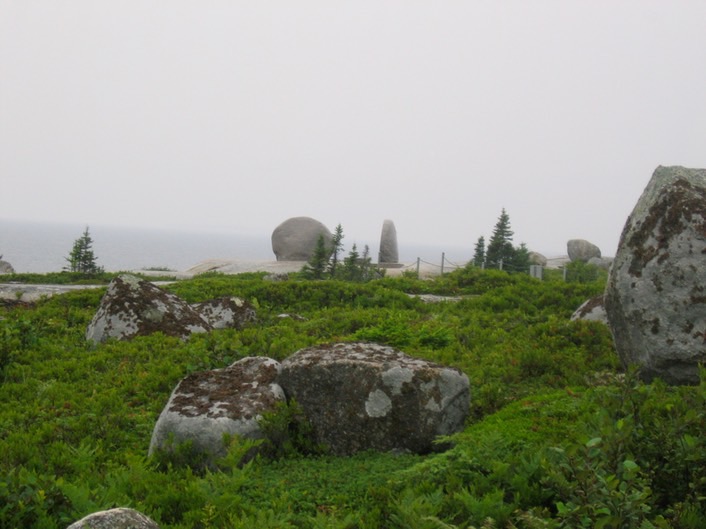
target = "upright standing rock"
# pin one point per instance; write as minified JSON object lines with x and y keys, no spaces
{"x":656,"y":292}
{"x":388,"y":243}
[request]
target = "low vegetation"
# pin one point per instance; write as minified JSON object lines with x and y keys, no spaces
{"x":558,"y":436}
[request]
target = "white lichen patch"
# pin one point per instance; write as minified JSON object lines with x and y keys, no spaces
{"x":378,"y":404}
{"x":394,"y":378}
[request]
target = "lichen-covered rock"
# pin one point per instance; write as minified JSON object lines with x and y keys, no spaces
{"x":120,"y":518}
{"x":388,"y":243}
{"x":656,"y":292}
{"x":204,"y":406}
{"x":591,"y":310}
{"x":226,"y":313}
{"x":365,"y":396}
{"x":296,"y":238}
{"x":581,"y":250}
{"x":134,"y":307}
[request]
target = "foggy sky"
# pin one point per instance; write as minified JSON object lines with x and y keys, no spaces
{"x":232,"y":116}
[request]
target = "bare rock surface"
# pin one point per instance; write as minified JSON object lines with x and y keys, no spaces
{"x":365,"y":396}
{"x":119,"y":518}
{"x":204,"y":406}
{"x":656,"y":292}
{"x":6,"y":268}
{"x":134,"y":307}
{"x":226,"y":313}
{"x":296,"y":238}
{"x":582,"y":250}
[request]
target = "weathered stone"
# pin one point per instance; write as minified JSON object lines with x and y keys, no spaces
{"x":601,"y":262}
{"x":204,"y":406}
{"x":365,"y":396}
{"x":656,"y":292}
{"x":591,"y":310}
{"x":296,"y":238}
{"x":388,"y":243}
{"x":120,"y":518}
{"x":537,"y":258}
{"x":6,"y":268}
{"x":226,"y":313}
{"x":581,"y":250}
{"x":134,"y":307}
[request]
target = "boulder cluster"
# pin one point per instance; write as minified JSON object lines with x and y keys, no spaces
{"x":355,"y":396}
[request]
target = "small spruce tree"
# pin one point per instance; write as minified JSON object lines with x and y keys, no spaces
{"x":82,"y":259}
{"x":336,"y":248}
{"x":479,"y":252}
{"x":316,"y":265}
{"x":500,"y":250}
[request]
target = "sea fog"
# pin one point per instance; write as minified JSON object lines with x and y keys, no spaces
{"x":43,"y":247}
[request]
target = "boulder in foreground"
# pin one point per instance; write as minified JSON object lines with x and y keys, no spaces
{"x":365,"y":396}
{"x":119,"y":518}
{"x":656,"y":293}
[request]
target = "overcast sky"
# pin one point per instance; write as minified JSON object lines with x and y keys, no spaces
{"x":232,"y":116}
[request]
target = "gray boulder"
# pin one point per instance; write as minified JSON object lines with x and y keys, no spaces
{"x":388,"y":244}
{"x":581,"y":250}
{"x":365,"y":396}
{"x":296,"y":238}
{"x":226,"y":313}
{"x":134,"y":307}
{"x":656,"y":291}
{"x":120,"y":518}
{"x":592,"y":310}
{"x":537,"y":258}
{"x":204,"y":406}
{"x":6,"y":268}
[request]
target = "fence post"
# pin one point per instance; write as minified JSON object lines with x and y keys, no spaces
{"x":418,"y":260}
{"x":443,"y":258}
{"x":565,"y":270}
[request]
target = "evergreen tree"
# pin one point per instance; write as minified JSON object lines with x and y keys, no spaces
{"x":520,"y":261}
{"x":337,"y":247}
{"x":351,"y":269}
{"x":479,"y":252}
{"x":500,"y":250}
{"x":82,"y":259}
{"x":316,"y":265}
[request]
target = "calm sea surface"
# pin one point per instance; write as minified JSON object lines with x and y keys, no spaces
{"x":40,"y":247}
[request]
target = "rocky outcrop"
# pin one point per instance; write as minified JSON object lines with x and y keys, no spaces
{"x":134,"y":307}
{"x":120,"y":518}
{"x":581,"y":250}
{"x":296,"y":238}
{"x":6,"y":268}
{"x":226,"y":313}
{"x":656,"y":292}
{"x":365,"y":396}
{"x":204,"y":406}
{"x":388,"y":244}
{"x":591,"y":310}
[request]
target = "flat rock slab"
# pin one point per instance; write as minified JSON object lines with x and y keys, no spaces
{"x":365,"y":396}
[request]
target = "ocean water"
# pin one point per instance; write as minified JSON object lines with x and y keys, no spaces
{"x":43,"y":247}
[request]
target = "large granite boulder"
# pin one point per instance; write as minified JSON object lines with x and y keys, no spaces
{"x":134,"y":307}
{"x":296,"y":238}
{"x":365,"y":396}
{"x":204,"y":406}
{"x":581,"y":250}
{"x":537,"y":258}
{"x":656,"y":291}
{"x":6,"y":268}
{"x":226,"y":313}
{"x":119,"y":518}
{"x":388,"y":244}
